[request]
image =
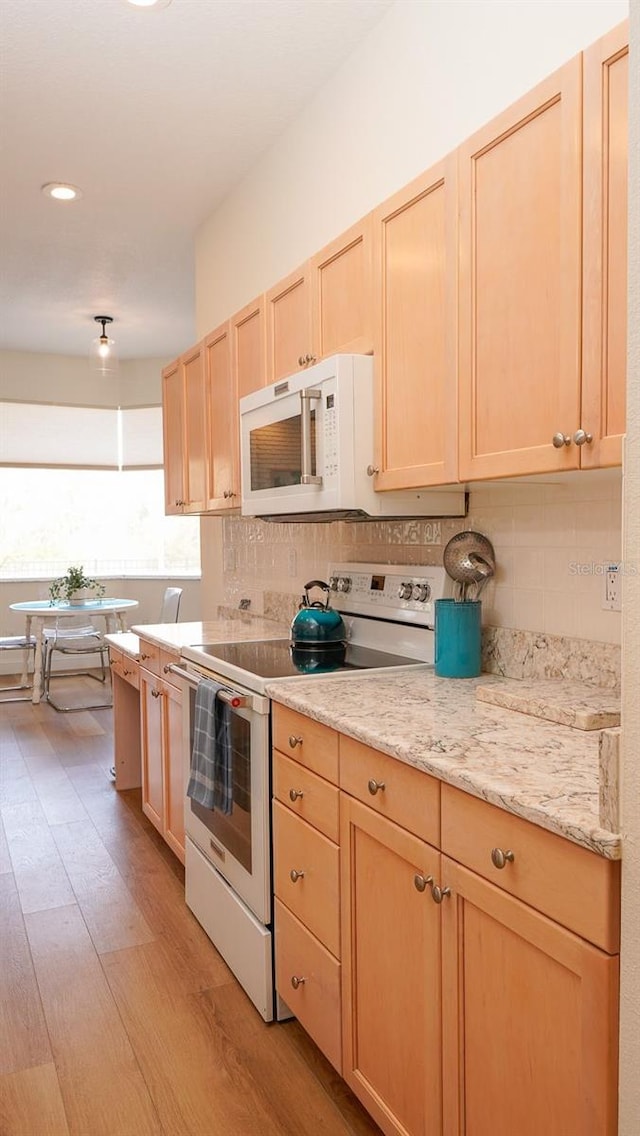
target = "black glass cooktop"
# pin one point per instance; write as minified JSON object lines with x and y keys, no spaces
{"x":278,"y":658}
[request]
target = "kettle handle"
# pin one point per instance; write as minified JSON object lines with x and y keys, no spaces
{"x":318,"y":584}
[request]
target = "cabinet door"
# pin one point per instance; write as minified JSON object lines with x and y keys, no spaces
{"x":173,"y":437}
{"x":223,"y":421}
{"x":520,"y":284}
{"x":288,"y":313}
{"x":196,"y":447}
{"x":341,"y":294}
{"x":529,"y":1019}
{"x":415,"y":268}
{"x":391,"y":973}
{"x":249,"y":349}
{"x":151,"y":743}
{"x":174,"y":771}
{"x":606,"y":77}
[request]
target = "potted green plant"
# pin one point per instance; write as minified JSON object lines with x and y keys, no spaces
{"x":75,"y":587}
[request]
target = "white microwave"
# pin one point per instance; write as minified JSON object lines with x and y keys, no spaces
{"x":307,"y":450}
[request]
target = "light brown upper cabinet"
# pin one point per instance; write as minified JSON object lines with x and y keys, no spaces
{"x":195,"y":430}
{"x":185,"y":433}
{"x":222,"y":465}
{"x":415,"y":273}
{"x":248,"y":348}
{"x":288,"y":312}
{"x":324,"y":308}
{"x":520,"y":284}
{"x":605,"y":247}
{"x":341,"y":293}
{"x":173,"y":436}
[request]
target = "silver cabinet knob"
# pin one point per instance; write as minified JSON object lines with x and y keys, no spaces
{"x":295,"y":794}
{"x":155,"y":693}
{"x":295,"y":876}
{"x":301,"y":360}
{"x":581,"y":438}
{"x":375,"y":786}
{"x":421,"y":883}
{"x":438,"y":893}
{"x":560,"y":440}
{"x":500,"y":859}
{"x":294,"y":741}
{"x":296,"y":981}
{"x":309,"y":358}
{"x":372,"y":470}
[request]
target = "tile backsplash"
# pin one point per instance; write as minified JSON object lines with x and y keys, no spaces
{"x":552,"y":543}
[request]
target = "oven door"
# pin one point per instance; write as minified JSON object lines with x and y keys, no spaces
{"x":236,"y":843}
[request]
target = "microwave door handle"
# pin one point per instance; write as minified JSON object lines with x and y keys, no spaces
{"x":306,"y":477}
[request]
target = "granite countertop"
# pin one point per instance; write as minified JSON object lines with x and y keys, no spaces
{"x":175,"y":636}
{"x":540,"y":770}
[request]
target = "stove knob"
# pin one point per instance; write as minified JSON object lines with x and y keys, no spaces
{"x":344,"y":584}
{"x":421,"y":592}
{"x":333,"y":583}
{"x":405,"y":591}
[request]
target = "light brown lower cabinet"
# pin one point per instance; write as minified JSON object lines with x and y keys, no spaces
{"x":466,"y":1010}
{"x":162,"y":765}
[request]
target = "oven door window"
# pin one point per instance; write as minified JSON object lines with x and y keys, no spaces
{"x":232,"y":831}
{"x":275,"y":452}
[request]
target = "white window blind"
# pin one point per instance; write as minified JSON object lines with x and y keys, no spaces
{"x":85,"y":437}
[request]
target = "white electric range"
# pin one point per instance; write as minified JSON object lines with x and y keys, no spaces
{"x":388,"y":611}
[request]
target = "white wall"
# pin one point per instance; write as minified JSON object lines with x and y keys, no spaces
{"x":26,"y":376}
{"x":425,"y":78}
{"x":630,"y":979}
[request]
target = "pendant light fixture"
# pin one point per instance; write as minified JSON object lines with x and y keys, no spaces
{"x":103,"y":350}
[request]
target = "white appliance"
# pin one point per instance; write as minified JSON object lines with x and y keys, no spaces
{"x":307,"y":450}
{"x":389,"y":613}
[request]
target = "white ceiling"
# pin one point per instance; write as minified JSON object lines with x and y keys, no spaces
{"x":155,"y":115}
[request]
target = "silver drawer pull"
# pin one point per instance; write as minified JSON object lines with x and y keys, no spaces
{"x":296,"y":982}
{"x":295,"y":876}
{"x":374,"y":786}
{"x":294,"y":741}
{"x":422,"y":882}
{"x":500,"y":859}
{"x":438,"y":893}
{"x":295,"y":794}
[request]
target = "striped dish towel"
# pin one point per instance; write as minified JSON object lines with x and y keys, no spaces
{"x":211,"y":779}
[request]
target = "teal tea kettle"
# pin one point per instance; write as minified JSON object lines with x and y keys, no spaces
{"x":316,"y":624}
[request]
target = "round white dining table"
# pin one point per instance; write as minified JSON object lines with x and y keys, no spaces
{"x":40,"y":613}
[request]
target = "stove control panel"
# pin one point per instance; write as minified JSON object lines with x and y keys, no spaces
{"x":387,"y":591}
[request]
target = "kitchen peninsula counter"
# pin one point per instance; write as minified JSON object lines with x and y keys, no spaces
{"x":539,"y":770}
{"x":175,"y":636}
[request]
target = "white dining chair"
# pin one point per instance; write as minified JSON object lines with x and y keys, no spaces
{"x":170,"y":605}
{"x":78,"y":640}
{"x":18,"y":643}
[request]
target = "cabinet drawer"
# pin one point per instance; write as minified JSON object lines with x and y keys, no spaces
{"x":570,"y":884}
{"x":167,"y":659}
{"x":115,"y":658}
{"x":316,"y":1000}
{"x":409,"y":797}
{"x":306,"y":794}
{"x":309,"y":742}
{"x":314,"y":896}
{"x":150,"y":656}
{"x":130,"y":671}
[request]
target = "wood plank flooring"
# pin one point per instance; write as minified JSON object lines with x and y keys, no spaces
{"x":117,"y":1015}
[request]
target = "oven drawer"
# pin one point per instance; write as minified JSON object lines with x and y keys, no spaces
{"x":572,"y":885}
{"x":307,"y":875}
{"x":398,"y":791}
{"x":309,"y":742}
{"x":312,"y":798}
{"x":308,"y":979}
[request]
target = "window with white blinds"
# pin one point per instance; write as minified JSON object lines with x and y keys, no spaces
{"x":80,"y":437}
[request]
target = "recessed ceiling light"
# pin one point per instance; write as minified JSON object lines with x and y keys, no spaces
{"x":61,"y":191}
{"x":149,"y":3}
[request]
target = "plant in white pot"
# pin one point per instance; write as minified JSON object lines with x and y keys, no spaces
{"x":75,"y":587}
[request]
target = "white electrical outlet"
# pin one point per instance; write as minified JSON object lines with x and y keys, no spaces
{"x":612,"y":600}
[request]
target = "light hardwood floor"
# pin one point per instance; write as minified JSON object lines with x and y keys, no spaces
{"x":117,"y":1015}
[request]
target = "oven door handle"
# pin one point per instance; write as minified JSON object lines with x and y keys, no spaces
{"x":235,"y":700}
